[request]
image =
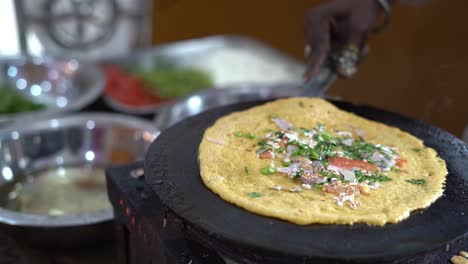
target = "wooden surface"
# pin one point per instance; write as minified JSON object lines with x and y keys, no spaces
{"x":418,"y":66}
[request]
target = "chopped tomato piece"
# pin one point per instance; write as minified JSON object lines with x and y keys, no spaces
{"x":339,"y":188}
{"x":266,"y":155}
{"x":400,"y":162}
{"x":364,"y":189}
{"x":128,"y":89}
{"x":282,"y":143}
{"x":350,"y":164}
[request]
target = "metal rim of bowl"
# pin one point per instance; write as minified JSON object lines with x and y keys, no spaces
{"x":14,"y":218}
{"x":257,"y":91}
{"x":214,"y":89}
{"x":135,"y":110}
{"x":93,"y":93}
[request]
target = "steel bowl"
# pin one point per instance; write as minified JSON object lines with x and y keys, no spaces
{"x":61,"y":85}
{"x":83,"y":140}
{"x":238,"y":93}
{"x":200,"y":54}
{"x":208,"y":99}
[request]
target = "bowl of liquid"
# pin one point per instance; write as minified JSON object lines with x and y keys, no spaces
{"x":52,"y":174}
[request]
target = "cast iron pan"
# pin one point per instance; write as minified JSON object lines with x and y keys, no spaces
{"x":172,"y":171}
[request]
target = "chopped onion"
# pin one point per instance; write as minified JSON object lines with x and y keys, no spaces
{"x":286,"y":170}
{"x":348,"y":141}
{"x":278,"y":187}
{"x":348,"y":175}
{"x":333,"y":168}
{"x":290,"y":149}
{"x":283,"y":124}
{"x":291,"y":136}
{"x":215,"y":141}
{"x":360,"y":132}
{"x":312,"y":143}
{"x":287,"y":189}
{"x":344,"y":134}
{"x":317,"y":164}
{"x":302,"y":160}
{"x":376,"y":157}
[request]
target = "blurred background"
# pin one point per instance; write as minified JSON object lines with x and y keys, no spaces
{"x":418,"y":66}
{"x":60,"y":58}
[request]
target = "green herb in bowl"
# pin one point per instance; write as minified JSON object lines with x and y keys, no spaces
{"x":174,"y":82}
{"x":11,"y":102}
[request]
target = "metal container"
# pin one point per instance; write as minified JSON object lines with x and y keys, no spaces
{"x":205,"y":100}
{"x":228,"y":59}
{"x":85,"y":30}
{"x":61,"y":85}
{"x":89,"y":140}
{"x":211,"y":98}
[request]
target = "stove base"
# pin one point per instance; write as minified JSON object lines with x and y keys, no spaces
{"x":149,"y":233}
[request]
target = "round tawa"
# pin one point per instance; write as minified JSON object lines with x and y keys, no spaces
{"x":171,"y":169}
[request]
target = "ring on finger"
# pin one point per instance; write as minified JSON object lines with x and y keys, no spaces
{"x":307,"y":51}
{"x":347,"y":61}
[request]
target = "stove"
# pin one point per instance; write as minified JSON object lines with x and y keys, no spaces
{"x":147,"y":232}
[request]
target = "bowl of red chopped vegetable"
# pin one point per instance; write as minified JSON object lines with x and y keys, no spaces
{"x":138,"y":89}
{"x":32,"y":88}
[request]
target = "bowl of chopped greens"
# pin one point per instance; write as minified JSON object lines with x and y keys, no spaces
{"x":32,"y":88}
{"x":143,"y":89}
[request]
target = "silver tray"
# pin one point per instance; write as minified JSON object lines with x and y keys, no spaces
{"x":246,"y":63}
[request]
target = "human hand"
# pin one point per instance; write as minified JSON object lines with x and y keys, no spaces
{"x":340,"y":27}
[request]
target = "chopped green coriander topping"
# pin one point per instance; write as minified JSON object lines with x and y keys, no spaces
{"x":326,"y":137}
{"x":330,"y":175}
{"x":273,"y":115}
{"x":299,"y":173}
{"x":255,"y":194}
{"x":271,"y":170}
{"x":313,"y":155}
{"x":267,"y":170}
{"x":333,"y":158}
{"x":246,"y":170}
{"x":280,"y":150}
{"x":319,"y":127}
{"x":279,"y":134}
{"x":295,"y":153}
{"x":301,"y":104}
{"x":239,"y":134}
{"x":251,"y":136}
{"x":372,"y":177}
{"x":318,"y":186}
{"x":417,"y":181}
{"x":417,"y":150}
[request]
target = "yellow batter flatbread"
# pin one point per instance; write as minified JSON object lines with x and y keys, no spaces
{"x":230,"y":165}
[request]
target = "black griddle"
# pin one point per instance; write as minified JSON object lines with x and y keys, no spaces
{"x":171,"y":170}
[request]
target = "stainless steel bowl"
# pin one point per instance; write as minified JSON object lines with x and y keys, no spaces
{"x":133,"y":110}
{"x":61,"y":85}
{"x":231,"y":94}
{"x":89,"y":139}
{"x":208,"y":99}
{"x":215,"y":56}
